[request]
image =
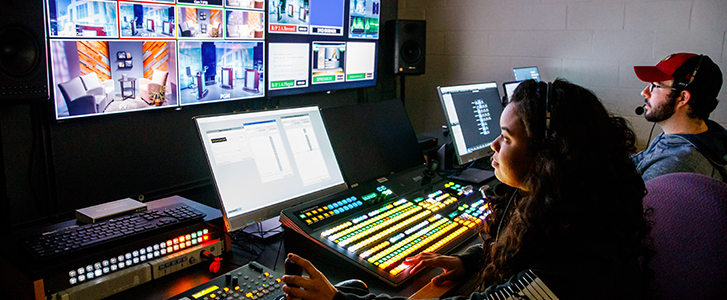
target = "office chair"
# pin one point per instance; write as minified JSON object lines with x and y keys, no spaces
{"x":690,"y":236}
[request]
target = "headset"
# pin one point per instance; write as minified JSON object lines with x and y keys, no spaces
{"x":680,"y":84}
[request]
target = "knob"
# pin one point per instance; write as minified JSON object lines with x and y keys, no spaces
{"x":234,"y":281}
{"x":228,"y":278}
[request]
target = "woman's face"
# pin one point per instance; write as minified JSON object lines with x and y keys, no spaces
{"x":511,"y":160}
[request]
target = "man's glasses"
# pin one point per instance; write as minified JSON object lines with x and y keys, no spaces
{"x":652,"y":86}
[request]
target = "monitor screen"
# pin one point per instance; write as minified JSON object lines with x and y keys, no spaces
{"x":321,"y":45}
{"x":526,"y":73}
{"x":509,"y":88}
{"x":372,"y":140}
{"x":263,"y":162}
{"x":473,"y":115}
{"x":120,"y":56}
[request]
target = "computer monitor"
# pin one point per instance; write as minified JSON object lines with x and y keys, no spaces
{"x":509,"y":88}
{"x":473,"y":115}
{"x":526,"y":73}
{"x":263,"y":162}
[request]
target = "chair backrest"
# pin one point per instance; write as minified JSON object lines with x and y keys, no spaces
{"x":72,"y":89}
{"x":690,"y":236}
{"x":159,"y":77}
{"x":91,"y":81}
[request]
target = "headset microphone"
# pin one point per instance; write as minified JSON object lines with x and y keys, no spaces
{"x":640,"y":110}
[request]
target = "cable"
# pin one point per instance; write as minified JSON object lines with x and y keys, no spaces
{"x":504,"y":214}
{"x":650,"y":132}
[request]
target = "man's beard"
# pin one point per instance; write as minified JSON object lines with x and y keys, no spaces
{"x":663,"y":111}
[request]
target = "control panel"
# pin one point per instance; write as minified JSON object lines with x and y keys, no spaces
{"x":251,"y":281}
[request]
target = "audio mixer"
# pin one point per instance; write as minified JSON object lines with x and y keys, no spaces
{"x":376,"y":228}
{"x":251,"y":281}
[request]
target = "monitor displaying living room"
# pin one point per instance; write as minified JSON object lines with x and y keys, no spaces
{"x":321,"y":45}
{"x":473,"y":116}
{"x":121,"y":56}
{"x":509,"y":88}
{"x":265,"y":161}
{"x":525,"y":73}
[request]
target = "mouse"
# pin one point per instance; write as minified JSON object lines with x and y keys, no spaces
{"x":353,"y":286}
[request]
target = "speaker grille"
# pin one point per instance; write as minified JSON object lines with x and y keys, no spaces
{"x":411,"y":52}
{"x":19,"y":52}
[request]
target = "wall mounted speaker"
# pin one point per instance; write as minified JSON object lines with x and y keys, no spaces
{"x":23,"y":66}
{"x":410,"y":43}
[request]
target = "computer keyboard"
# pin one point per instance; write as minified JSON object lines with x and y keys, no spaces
{"x":73,"y":239}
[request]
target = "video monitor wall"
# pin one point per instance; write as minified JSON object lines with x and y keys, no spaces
{"x":120,"y":56}
{"x":321,"y":45}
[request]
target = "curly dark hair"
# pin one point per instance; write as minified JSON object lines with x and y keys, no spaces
{"x":582,"y":190}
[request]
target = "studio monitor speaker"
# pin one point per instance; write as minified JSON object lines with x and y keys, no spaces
{"x":409,"y":40}
{"x":23,"y":67}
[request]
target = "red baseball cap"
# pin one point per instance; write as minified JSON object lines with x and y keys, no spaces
{"x":665,"y":69}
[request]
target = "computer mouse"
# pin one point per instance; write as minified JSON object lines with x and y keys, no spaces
{"x":353,"y":286}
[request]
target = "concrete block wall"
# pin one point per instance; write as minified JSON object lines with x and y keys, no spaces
{"x":593,"y":43}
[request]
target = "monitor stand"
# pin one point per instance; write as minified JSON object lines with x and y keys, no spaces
{"x":268,"y":229}
{"x":473,"y":175}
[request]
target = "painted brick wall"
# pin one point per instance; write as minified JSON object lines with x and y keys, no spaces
{"x":594,"y":43}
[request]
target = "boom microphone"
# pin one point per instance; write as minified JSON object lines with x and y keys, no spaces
{"x":640,"y":110}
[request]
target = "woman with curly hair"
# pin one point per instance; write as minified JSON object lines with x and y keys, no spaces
{"x":572,"y":225}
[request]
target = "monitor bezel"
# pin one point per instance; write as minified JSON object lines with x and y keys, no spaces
{"x":469,"y":157}
{"x":259,"y":215}
{"x":504,"y":90}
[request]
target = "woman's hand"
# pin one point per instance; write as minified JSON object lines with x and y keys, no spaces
{"x":313,"y":287}
{"x":454,"y":269}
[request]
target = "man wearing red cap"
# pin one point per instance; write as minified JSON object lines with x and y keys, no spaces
{"x":681,"y":94}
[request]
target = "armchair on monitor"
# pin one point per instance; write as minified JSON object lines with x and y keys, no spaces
{"x":690,"y":225}
{"x":77,"y":100}
{"x":158,"y":80}
{"x":94,"y":86}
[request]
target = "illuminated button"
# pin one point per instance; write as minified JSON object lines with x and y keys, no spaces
{"x":98,"y":273}
{"x":105,"y":263}
{"x":226,"y":289}
{"x":122,"y":265}
{"x":181,"y":239}
{"x":194,"y":235}
{"x":106,"y":270}
{"x":135,"y":253}
{"x":72,"y":273}
{"x":188,"y":237}
{"x":266,"y":274}
{"x":212,"y":296}
{"x":142,"y":251}
{"x":156,"y":253}
{"x":188,"y":243}
{"x":199,"y":239}
{"x":149,"y":255}
{"x":89,"y":275}
{"x":181,"y":246}
{"x":115,"y":260}
{"x":128,"y":256}
{"x":149,"y":249}
{"x":237,"y":287}
{"x":302,"y":216}
{"x":308,"y":214}
{"x":205,"y":231}
{"x":194,"y":242}
{"x":206,"y":238}
{"x":176,"y":247}
{"x":199,"y":233}
{"x":89,"y":268}
{"x":156,"y":247}
{"x":175,"y":241}
{"x":81,"y":278}
{"x":114,"y":268}
{"x":309,"y":221}
{"x":142,"y":258}
{"x":135,"y":260}
{"x":73,"y":280}
{"x":277,"y":280}
{"x":163,"y":251}
{"x":169,"y":243}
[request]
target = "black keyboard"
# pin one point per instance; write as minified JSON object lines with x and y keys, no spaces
{"x":76,"y":238}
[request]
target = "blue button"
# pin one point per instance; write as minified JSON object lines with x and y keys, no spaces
{"x":359,"y":203}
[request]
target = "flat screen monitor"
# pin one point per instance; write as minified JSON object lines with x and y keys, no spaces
{"x":119,"y":56}
{"x":473,"y":115}
{"x":526,"y":73}
{"x":372,"y":140}
{"x":263,"y":162}
{"x":321,"y":45}
{"x":509,"y":88}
